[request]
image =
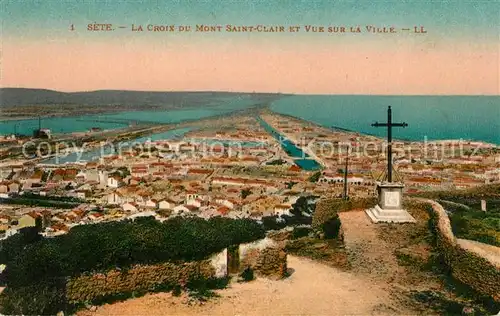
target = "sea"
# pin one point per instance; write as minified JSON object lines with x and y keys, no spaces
{"x":428,"y":117}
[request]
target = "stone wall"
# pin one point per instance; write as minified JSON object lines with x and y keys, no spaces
{"x":472,"y":263}
{"x":139,"y":278}
{"x":259,"y":245}
{"x":265,"y":257}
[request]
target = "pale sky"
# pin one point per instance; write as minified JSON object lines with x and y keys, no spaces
{"x":458,"y":55}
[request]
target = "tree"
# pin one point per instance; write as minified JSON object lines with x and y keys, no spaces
{"x":315,"y":177}
{"x":245,"y":193}
{"x":289,"y":185}
{"x":276,"y":162}
{"x":300,"y":207}
{"x":123,"y":171}
{"x":14,"y":245}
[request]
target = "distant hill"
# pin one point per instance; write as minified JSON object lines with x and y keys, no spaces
{"x":25,"y":96}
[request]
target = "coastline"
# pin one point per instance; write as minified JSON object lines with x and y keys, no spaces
{"x":265,"y":107}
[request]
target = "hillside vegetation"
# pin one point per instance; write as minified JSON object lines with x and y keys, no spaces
{"x":464,"y":210}
{"x":38,"y":268}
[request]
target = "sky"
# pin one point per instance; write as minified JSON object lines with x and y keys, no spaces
{"x":47,"y":44}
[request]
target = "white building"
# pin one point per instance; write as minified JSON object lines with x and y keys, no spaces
{"x":166,"y":205}
{"x":142,"y":214}
{"x":114,"y":182}
{"x":181,"y":209}
{"x":151,"y":203}
{"x":130,"y":207}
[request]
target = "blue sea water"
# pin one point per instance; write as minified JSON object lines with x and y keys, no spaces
{"x":434,"y":117}
{"x":84,"y":123}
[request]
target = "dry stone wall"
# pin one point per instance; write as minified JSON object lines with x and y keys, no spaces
{"x":90,"y":287}
{"x":477,"y":266}
{"x":265,"y":257}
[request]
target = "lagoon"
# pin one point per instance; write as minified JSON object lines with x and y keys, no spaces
{"x":108,"y":149}
{"x":86,"y":122}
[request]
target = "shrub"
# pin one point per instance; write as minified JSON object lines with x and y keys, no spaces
{"x":14,"y":245}
{"x":245,"y":193}
{"x":36,"y":299}
{"x":35,"y":268}
{"x":273,"y":223}
{"x":315,"y":177}
{"x":331,"y":227}
{"x":247,"y":275}
{"x":276,"y":162}
{"x":122,"y":244}
{"x":299,"y":232}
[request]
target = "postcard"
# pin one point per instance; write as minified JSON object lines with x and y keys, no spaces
{"x":211,"y":157}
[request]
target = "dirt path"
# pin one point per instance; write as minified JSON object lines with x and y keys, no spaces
{"x":368,"y":254}
{"x":378,"y":283}
{"x":312,"y":289}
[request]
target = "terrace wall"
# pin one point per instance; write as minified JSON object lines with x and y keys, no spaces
{"x":265,"y":257}
{"x":472,"y":263}
{"x":139,"y":278}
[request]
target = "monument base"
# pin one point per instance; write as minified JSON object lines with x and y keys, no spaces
{"x":379,"y":215}
{"x":390,"y":205}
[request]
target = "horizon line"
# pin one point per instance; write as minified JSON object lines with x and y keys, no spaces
{"x":255,"y":92}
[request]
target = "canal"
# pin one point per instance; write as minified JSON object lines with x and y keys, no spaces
{"x":302,"y":159}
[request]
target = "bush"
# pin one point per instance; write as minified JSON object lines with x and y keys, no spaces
{"x":299,"y":232}
{"x":326,"y":210}
{"x":245,"y":193}
{"x":273,"y":223}
{"x":14,"y":245}
{"x":277,"y":162}
{"x":35,"y":266}
{"x":36,"y":299}
{"x":331,"y":227}
{"x":315,"y":177}
{"x":247,"y":275}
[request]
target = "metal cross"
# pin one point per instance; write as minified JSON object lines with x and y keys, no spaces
{"x":389,"y":126}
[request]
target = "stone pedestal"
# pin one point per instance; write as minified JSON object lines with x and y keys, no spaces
{"x":390,"y":205}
